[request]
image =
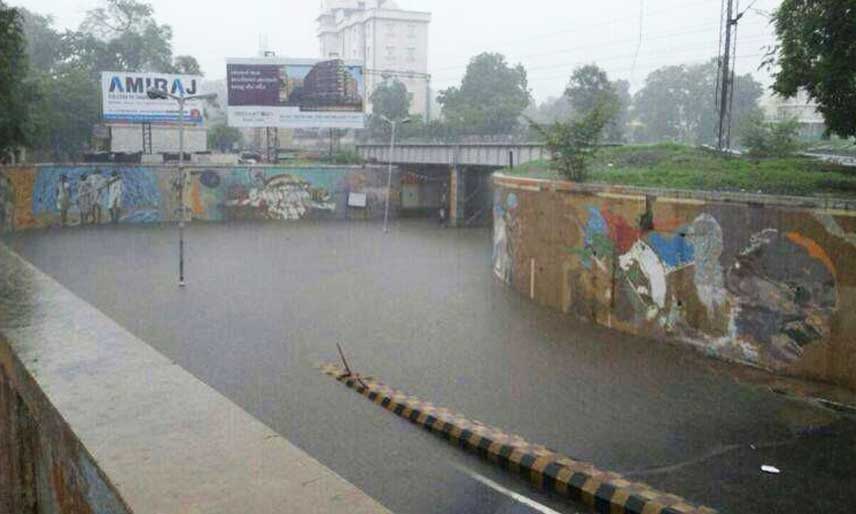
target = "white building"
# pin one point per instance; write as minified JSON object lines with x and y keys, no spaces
{"x":392,"y":42}
{"x":801,"y":108}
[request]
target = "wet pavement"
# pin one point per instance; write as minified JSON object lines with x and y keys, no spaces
{"x":420,"y":309}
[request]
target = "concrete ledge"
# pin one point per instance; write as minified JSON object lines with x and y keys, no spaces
{"x":145,"y":435}
{"x":676,"y":195}
{"x":605,"y":492}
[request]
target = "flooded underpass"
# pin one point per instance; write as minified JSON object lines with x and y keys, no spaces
{"x":420,"y":309}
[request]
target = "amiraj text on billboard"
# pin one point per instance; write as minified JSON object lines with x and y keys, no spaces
{"x":124,"y":97}
{"x":296,"y":93}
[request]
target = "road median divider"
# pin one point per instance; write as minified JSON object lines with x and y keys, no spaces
{"x":605,"y":492}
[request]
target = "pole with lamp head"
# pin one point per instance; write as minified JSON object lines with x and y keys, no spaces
{"x":393,"y":125}
{"x":162,"y":94}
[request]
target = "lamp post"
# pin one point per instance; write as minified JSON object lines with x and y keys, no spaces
{"x":161,"y":94}
{"x":394,"y":125}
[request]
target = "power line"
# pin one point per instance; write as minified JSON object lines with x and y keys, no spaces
{"x":696,"y":30}
{"x":536,"y":37}
{"x":641,"y":26}
{"x":692,"y":49}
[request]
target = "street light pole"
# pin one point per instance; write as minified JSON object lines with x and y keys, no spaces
{"x":182,"y":180}
{"x":393,"y":125}
{"x":160,"y":94}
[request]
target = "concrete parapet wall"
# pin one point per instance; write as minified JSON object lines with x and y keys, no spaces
{"x":62,"y":195}
{"x":94,"y":421}
{"x":763,"y":280}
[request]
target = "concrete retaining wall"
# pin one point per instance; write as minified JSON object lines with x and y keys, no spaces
{"x":56,"y":195}
{"x":95,"y":421}
{"x":763,"y":280}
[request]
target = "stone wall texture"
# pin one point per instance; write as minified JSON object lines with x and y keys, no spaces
{"x":767,"y":281}
{"x":65,"y":195}
{"x":43,"y":467}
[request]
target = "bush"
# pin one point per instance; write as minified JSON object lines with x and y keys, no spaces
{"x":345,"y":157}
{"x":572,"y":144}
{"x":770,"y":139}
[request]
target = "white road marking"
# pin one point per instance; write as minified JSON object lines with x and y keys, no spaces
{"x":507,"y":492}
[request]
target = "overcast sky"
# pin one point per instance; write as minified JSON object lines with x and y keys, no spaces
{"x":550,"y":37}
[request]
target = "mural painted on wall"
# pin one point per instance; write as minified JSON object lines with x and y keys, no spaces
{"x":503,"y":230}
{"x":280,"y":193}
{"x":777,"y":296}
{"x":64,"y":196}
{"x":59,"y":196}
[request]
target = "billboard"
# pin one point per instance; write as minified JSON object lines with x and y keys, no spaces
{"x":295,"y":93}
{"x":124,"y":97}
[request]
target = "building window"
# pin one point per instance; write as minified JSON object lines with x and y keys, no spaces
{"x":390,"y":30}
{"x":411,"y":55}
{"x":411,"y":31}
{"x":390,"y":53}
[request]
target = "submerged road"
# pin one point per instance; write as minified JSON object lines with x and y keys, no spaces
{"x":420,"y":309}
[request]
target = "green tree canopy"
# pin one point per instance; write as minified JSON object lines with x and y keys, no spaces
{"x":14,"y":91}
{"x":490,"y":99}
{"x":588,"y":88}
{"x":816,"y":53}
{"x":392,"y":100}
{"x":677,"y":103}
{"x":223,"y":137}
{"x":120,"y":35}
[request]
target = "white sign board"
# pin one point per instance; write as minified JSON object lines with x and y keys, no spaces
{"x":358,"y":200}
{"x":124,"y":97}
{"x":295,"y":93}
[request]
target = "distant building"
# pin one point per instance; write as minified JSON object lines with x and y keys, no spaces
{"x":392,"y":42}
{"x":801,"y":108}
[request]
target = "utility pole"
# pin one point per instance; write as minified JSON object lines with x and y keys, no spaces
{"x":726,"y":80}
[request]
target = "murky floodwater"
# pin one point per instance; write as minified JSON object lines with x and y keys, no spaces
{"x":420,"y":309}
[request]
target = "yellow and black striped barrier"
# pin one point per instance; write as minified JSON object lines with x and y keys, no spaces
{"x":605,"y":492}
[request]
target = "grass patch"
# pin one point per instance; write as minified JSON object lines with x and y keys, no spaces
{"x":681,"y":167}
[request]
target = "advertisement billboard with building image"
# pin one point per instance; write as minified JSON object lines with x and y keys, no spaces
{"x":295,"y":93}
{"x":124,"y":97}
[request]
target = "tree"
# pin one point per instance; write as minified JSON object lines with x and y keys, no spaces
{"x":815,"y":53}
{"x":44,"y":43}
{"x":392,"y":100}
{"x":121,"y":35}
{"x":15,"y":95}
{"x":63,"y":117}
{"x":223,"y":137}
{"x":588,"y":88}
{"x":550,"y":110}
{"x":617,"y":126}
{"x":124,"y":35}
{"x":490,"y":99}
{"x":677,"y":103}
{"x":769,"y":139}
{"x":573,"y":143}
{"x":187,"y":65}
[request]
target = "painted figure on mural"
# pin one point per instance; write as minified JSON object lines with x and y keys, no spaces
{"x":115,"y":190}
{"x":63,"y":199}
{"x":7,"y":204}
{"x":85,"y":198}
{"x":785,"y":290}
{"x":283,"y":197}
{"x":503,"y":230}
{"x":98,"y":185}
